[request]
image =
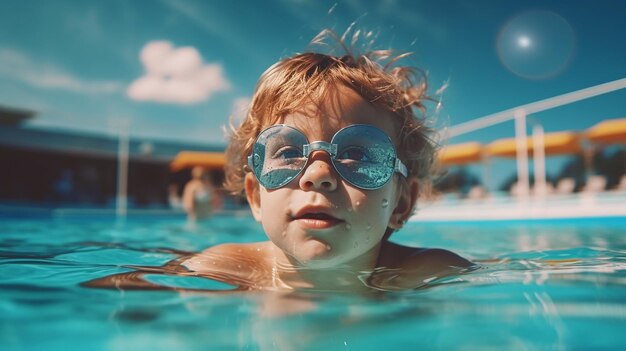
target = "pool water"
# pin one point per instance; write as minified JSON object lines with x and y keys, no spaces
{"x":548,"y":285}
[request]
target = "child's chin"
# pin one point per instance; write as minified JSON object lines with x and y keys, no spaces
{"x":314,"y":253}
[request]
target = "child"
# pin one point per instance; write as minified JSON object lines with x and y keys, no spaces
{"x":332,"y":157}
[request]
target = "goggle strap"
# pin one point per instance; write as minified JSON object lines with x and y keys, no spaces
{"x":250,"y":165}
{"x":401,"y":168}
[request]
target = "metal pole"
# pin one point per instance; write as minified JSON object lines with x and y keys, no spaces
{"x":539,"y":159}
{"x":122,"y":173}
{"x":488,"y":180}
{"x":521,"y":144}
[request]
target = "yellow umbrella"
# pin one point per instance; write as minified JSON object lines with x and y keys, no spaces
{"x":188,"y":159}
{"x":460,"y":154}
{"x":611,"y":131}
{"x":554,"y":144}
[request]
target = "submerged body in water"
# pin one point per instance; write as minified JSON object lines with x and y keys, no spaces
{"x":253,"y":267}
{"x":397,"y":268}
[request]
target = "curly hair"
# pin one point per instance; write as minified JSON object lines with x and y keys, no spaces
{"x":305,"y":78}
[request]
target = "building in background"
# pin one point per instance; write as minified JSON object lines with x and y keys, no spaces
{"x":65,"y":169}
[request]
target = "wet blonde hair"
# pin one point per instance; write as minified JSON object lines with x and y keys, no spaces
{"x":292,"y":83}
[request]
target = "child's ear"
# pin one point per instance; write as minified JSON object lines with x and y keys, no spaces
{"x":251,"y":186}
{"x":407,"y":198}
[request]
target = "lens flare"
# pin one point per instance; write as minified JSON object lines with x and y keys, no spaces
{"x":524,"y":41}
{"x":536,"y":44}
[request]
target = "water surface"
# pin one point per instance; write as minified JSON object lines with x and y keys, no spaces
{"x":548,"y":285}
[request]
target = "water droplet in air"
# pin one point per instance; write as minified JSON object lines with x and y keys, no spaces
{"x":368,"y":227}
{"x":385,"y":203}
{"x":349,"y":209}
{"x":328,"y":247}
{"x":367,"y":238}
{"x":356,"y":244}
{"x":348,"y":226}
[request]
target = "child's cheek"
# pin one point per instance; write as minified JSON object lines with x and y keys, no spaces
{"x":375,"y":206}
{"x":273,"y":208}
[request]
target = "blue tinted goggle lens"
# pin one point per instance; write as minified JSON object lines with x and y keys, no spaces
{"x":361,"y":154}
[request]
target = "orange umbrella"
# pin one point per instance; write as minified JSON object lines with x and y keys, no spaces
{"x":554,"y":144}
{"x":188,"y":159}
{"x":460,"y":154}
{"x":611,"y":131}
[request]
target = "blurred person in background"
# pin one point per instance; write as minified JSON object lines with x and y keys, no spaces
{"x":199,"y":197}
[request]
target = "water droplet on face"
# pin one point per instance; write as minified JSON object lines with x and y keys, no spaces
{"x":258,"y":249}
{"x":358,"y":203}
{"x":385,"y":203}
{"x":284,"y":234}
{"x":348,"y":226}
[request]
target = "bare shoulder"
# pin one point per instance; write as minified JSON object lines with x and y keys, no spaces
{"x":441,"y":258}
{"x":403,"y":267}
{"x":426,"y":260}
{"x":220,"y":257}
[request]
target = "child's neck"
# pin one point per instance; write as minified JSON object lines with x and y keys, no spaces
{"x":349,"y":276}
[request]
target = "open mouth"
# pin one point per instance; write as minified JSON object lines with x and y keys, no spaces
{"x":320,"y":216}
{"x":317,"y":220}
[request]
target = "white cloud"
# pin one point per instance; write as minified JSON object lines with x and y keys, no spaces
{"x":176,"y":75}
{"x":17,"y":65}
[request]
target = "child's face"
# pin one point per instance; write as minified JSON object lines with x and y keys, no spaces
{"x":319,"y":219}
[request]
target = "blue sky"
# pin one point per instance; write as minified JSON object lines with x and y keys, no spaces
{"x":78,"y":63}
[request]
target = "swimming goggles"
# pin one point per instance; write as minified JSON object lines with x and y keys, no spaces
{"x":362,"y":154}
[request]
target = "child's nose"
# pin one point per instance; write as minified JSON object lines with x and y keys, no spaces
{"x":319,"y":174}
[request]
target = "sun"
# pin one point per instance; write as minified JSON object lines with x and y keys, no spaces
{"x":524,"y":41}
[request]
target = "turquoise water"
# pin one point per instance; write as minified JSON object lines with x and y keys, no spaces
{"x":549,"y":285}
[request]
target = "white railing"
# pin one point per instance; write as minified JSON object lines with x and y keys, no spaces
{"x":519,"y":114}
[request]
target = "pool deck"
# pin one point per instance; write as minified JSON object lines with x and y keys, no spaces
{"x":610,"y":204}
{"x":582,"y":205}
